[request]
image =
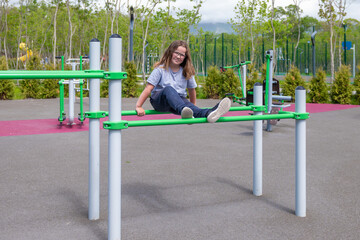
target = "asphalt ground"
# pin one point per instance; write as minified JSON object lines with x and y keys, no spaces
{"x":181,"y":182}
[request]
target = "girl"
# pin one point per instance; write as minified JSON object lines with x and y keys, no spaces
{"x":167,"y":84}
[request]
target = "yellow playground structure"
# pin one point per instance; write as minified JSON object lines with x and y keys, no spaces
{"x":28,"y":54}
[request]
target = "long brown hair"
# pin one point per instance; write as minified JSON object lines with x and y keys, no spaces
{"x":188,"y":68}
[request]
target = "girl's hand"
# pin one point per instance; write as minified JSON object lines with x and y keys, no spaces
{"x":140,"y":111}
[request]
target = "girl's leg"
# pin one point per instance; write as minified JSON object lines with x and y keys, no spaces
{"x":167,"y":100}
{"x":197,"y":112}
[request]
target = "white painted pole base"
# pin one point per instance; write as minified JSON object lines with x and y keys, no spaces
{"x":257,"y":143}
{"x":300,"y":154}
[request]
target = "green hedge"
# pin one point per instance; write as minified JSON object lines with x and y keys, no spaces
{"x":7,"y":87}
{"x":217,"y":83}
{"x":318,"y":88}
{"x":341,"y":88}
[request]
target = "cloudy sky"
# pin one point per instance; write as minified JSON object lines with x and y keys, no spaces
{"x":222,"y":10}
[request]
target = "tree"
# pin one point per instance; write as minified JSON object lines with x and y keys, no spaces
{"x":332,"y":11}
{"x":298,"y":12}
{"x":56,"y":3}
{"x":341,"y":89}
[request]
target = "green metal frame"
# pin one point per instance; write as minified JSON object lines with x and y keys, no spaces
{"x":66,"y":74}
{"x":235,"y":98}
{"x":126,"y":124}
{"x":95,"y":115}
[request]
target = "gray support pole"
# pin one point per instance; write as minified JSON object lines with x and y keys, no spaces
{"x":313,"y":52}
{"x":131,"y":57}
{"x":354,"y":61}
{"x":258,"y":143}
{"x":300,"y":153}
{"x":114,"y":212}
{"x":270,"y":93}
{"x":94,"y":133}
{"x":244,"y":79}
{"x":71,"y":98}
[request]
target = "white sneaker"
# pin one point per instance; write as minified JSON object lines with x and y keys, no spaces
{"x":186,"y":112}
{"x":223,"y":107}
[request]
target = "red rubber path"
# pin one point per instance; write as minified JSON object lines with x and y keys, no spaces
{"x":46,"y":126}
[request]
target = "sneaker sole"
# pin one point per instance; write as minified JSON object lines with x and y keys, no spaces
{"x":223,"y":108}
{"x":186,"y":113}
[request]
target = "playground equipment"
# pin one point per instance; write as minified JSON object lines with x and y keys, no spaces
{"x":74,"y":62}
{"x":271,"y":86}
{"x":242,"y":79}
{"x":28,"y":54}
{"x":115,"y":126}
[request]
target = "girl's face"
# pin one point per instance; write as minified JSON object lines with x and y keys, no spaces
{"x":178,"y":56}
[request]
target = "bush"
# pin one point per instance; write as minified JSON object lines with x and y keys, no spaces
{"x":357,"y":87}
{"x":129,"y":85}
{"x":7,"y":87}
{"x":218,"y":84}
{"x":50,"y":87}
{"x":212,"y":83}
{"x":341,"y":89}
{"x":31,"y":88}
{"x":252,"y":76}
{"x":293,"y":79}
{"x":229,"y":83}
{"x":263,"y":71}
{"x":318,"y":88}
{"x":104,"y":88}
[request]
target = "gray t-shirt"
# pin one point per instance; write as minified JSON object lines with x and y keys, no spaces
{"x":160,"y":78}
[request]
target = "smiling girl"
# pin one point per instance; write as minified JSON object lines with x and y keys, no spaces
{"x":167,"y":84}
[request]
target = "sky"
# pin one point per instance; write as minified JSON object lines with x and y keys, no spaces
{"x":222,"y":10}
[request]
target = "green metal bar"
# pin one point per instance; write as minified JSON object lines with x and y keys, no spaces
{"x":151,"y":112}
{"x":61,"y":117}
{"x":161,"y":122}
{"x":81,"y":101}
{"x":25,"y":74}
{"x":62,"y":63}
{"x":80,"y":67}
{"x":241,"y":83}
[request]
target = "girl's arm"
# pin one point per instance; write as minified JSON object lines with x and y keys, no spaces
{"x":192,"y":95}
{"x":143,"y":96}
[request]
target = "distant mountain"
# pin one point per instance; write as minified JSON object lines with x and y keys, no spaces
{"x":214,"y":27}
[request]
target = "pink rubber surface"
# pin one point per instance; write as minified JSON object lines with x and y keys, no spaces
{"x":46,"y":126}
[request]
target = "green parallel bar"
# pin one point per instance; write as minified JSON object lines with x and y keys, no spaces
{"x":81,"y":101}
{"x":147,"y":112}
{"x":61,"y":117}
{"x":26,"y":74}
{"x":150,"y":112}
{"x":142,"y":123}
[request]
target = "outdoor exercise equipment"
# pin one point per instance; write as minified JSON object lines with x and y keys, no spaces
{"x":115,"y":125}
{"x":242,"y":65}
{"x":74,"y":62}
{"x":271,"y":90}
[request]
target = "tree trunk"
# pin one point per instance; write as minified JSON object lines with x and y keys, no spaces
{"x":144,"y":39}
{"x":274,"y":34}
{"x":70,"y":29}
{"x":54,"y":37}
{"x":332,"y":51}
{"x":19,"y":35}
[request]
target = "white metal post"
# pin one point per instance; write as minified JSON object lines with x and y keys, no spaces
{"x":354,"y":60}
{"x":94,"y":134}
{"x":257,"y":143}
{"x":71,"y":98}
{"x":300,"y":153}
{"x":114,"y":228}
{"x":244,"y":79}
